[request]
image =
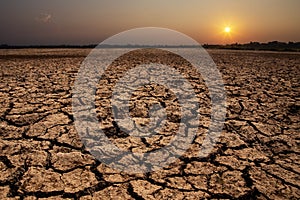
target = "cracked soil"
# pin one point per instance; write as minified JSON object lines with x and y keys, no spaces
{"x":256,"y":157}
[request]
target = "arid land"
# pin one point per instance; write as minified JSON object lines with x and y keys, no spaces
{"x":257,"y":155}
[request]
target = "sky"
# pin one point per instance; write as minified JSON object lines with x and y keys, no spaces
{"x":54,"y":22}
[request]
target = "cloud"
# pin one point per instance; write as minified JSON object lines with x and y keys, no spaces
{"x":44,"y":18}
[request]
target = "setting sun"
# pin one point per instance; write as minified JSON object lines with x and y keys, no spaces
{"x":227,"y":29}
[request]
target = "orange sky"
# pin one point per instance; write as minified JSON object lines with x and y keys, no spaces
{"x":91,"y":21}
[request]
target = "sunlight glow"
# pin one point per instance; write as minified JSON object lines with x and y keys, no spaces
{"x":227,"y":29}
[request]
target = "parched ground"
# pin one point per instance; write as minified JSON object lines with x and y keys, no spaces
{"x":257,"y":156}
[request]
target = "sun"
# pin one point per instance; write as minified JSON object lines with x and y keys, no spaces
{"x":227,"y":29}
{"x":228,"y":32}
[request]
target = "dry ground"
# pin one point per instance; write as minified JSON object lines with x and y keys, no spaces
{"x":42,"y":156}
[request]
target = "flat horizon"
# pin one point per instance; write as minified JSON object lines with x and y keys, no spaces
{"x":94,"y":44}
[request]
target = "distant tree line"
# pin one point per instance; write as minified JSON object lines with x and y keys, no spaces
{"x":270,"y":46}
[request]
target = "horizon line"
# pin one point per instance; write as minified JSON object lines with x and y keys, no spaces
{"x":138,"y":45}
{"x":269,"y":46}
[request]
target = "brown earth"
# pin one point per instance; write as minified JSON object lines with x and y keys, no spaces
{"x":257,"y":156}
